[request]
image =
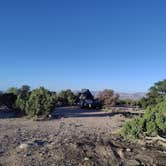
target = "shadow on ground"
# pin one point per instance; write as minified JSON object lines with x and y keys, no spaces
{"x":77,"y":112}
{"x":6,"y":113}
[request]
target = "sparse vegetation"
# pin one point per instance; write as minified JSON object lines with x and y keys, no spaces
{"x":127,"y":103}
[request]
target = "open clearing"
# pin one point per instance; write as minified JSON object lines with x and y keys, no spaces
{"x":74,"y":137}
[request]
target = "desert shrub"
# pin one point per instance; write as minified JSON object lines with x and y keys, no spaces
{"x":21,"y":102}
{"x":67,"y":98}
{"x":132,"y":129}
{"x":22,"y":98}
{"x":108,"y":97}
{"x":40,"y":102}
{"x":152,"y":123}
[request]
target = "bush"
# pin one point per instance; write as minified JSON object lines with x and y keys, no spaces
{"x":21,"y":102}
{"x":40,"y":102}
{"x":132,"y":129}
{"x":22,"y":97}
{"x":153,"y":123}
{"x":108,"y":97}
{"x":67,"y":98}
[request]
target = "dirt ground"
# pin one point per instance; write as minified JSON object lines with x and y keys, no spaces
{"x":74,"y":137}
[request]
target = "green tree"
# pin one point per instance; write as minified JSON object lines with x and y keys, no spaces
{"x":22,"y":97}
{"x":25,"y":89}
{"x":143,"y":103}
{"x":156,"y":94}
{"x":40,"y":102}
{"x":1,"y":102}
{"x":67,"y":97}
{"x":14,"y":90}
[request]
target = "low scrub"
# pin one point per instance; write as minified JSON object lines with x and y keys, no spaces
{"x":152,"y":123}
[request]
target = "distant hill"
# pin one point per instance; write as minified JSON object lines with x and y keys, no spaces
{"x":124,"y":95}
{"x":134,"y":96}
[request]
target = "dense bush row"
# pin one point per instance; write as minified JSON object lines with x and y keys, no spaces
{"x":36,"y":102}
{"x":42,"y":101}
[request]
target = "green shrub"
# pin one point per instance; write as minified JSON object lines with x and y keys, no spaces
{"x":67,"y":98}
{"x":153,"y":123}
{"x":40,"y":102}
{"x":151,"y":128}
{"x":132,"y":129}
{"x":21,"y":102}
{"x":22,"y":98}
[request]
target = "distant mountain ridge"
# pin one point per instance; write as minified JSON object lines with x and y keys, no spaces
{"x":133,"y":96}
{"x":125,"y":95}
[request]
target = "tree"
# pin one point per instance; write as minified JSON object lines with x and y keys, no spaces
{"x":25,"y":89}
{"x":1,"y":102}
{"x":40,"y":102}
{"x":67,"y":97}
{"x":143,"y":102}
{"x":22,"y":97}
{"x":155,"y":95}
{"x":108,"y":97}
{"x":13,"y":90}
{"x":21,"y":102}
{"x":130,"y":102}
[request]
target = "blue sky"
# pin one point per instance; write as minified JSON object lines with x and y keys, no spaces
{"x":76,"y":44}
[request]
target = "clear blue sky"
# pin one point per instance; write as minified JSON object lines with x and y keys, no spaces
{"x":95,"y":44}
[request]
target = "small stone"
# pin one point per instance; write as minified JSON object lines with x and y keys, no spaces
{"x":86,"y":159}
{"x":120,"y":152}
{"x":50,"y":116}
{"x":143,"y":148}
{"x":128,"y":150}
{"x":24,"y":146}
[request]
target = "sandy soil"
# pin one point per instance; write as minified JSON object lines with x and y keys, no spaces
{"x":73,"y":137}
